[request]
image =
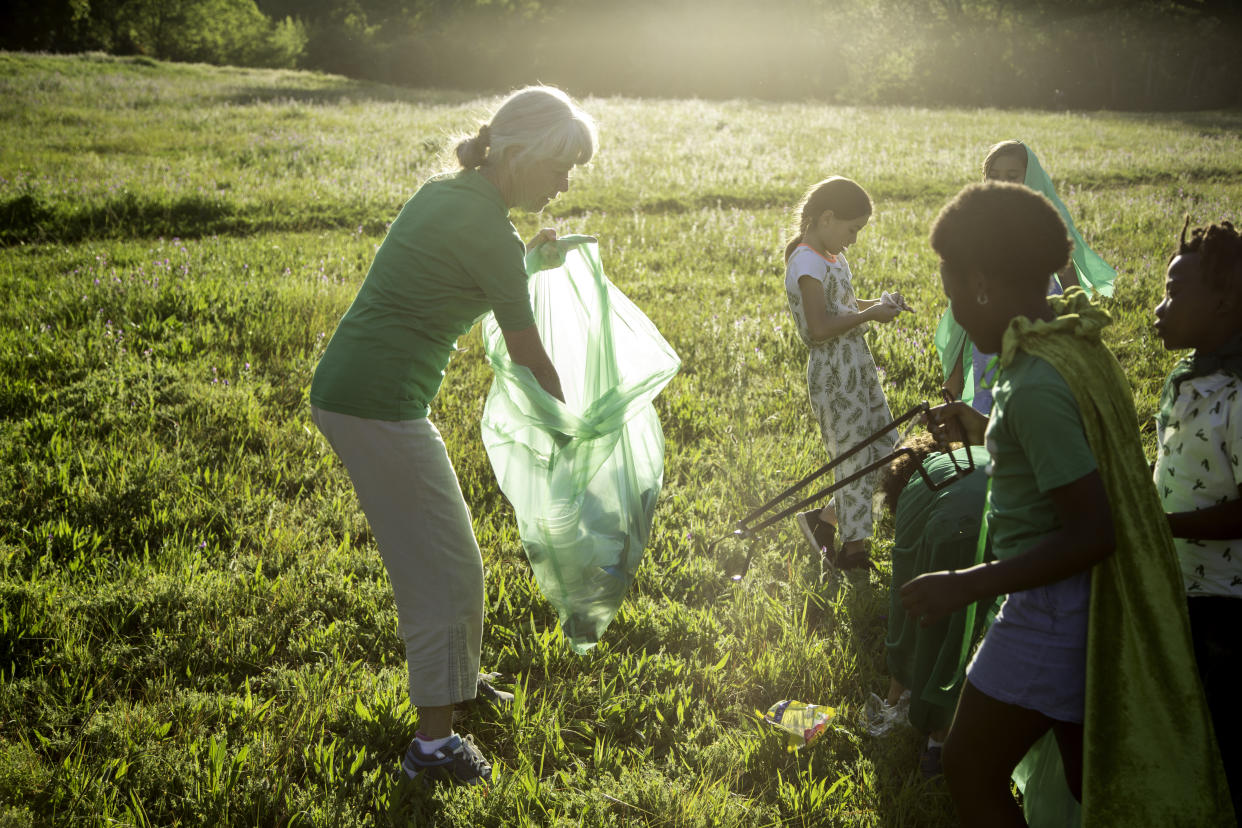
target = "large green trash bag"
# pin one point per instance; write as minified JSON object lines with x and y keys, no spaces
{"x":583,"y":476}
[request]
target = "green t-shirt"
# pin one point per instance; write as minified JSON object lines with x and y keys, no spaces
{"x":450,"y":256}
{"x":1037,"y":443}
{"x":931,"y":519}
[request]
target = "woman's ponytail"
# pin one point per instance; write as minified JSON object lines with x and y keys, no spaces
{"x":472,"y":152}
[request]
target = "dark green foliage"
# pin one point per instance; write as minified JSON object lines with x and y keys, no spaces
{"x":211,"y":31}
{"x":1151,"y":54}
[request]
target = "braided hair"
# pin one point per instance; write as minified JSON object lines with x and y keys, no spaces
{"x":1220,"y":253}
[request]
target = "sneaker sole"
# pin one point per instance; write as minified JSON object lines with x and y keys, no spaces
{"x":808,"y":532}
{"x":437,"y":776}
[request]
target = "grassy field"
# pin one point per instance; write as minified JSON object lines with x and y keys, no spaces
{"x":195,"y":625}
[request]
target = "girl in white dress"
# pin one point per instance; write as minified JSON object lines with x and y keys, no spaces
{"x":842,"y":380}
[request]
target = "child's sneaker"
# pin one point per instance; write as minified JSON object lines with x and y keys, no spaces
{"x":930,"y":766}
{"x":492,"y":694}
{"x":820,"y":534}
{"x":458,"y":760}
{"x":487,"y":693}
{"x":858,"y":559}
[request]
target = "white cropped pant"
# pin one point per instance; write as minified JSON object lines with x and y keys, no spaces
{"x":409,"y":492}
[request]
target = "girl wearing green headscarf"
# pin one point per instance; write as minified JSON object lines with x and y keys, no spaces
{"x":964,"y":364}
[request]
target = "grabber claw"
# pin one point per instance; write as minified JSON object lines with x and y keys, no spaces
{"x":759,"y":519}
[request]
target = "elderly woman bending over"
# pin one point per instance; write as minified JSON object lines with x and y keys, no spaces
{"x":450,"y":256}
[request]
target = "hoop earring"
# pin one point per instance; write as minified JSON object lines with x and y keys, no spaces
{"x":981,"y":298}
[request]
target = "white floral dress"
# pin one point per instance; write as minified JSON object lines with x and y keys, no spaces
{"x":843,"y":385}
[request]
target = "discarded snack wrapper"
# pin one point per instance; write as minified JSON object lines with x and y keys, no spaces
{"x":801,"y":722}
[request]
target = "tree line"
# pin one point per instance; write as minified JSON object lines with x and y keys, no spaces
{"x":1137,"y":55}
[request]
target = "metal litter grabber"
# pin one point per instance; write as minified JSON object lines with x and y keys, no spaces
{"x":756,"y":522}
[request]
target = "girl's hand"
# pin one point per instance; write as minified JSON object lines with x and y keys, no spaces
{"x":547,"y":234}
{"x":934,"y":595}
{"x":882,"y":312}
{"x":896,"y":299}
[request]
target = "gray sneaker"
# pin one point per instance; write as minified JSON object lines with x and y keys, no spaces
{"x":821,"y":535}
{"x":492,"y":694}
{"x":487,"y":693}
{"x":458,"y":760}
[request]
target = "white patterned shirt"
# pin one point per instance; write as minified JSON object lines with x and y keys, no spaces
{"x":1198,"y":467}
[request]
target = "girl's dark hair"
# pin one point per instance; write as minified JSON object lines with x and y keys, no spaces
{"x":845,"y":198}
{"x":896,"y":475}
{"x":1015,"y":148}
{"x":1011,"y":234}
{"x":1220,"y":253}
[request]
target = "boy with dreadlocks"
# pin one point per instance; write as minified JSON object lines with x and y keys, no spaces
{"x":1198,"y":473}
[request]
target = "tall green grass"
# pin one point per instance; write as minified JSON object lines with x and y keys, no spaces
{"x":195,"y":625}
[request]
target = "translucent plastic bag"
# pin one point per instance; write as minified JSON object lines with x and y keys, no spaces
{"x":1046,"y":798}
{"x":583,"y":476}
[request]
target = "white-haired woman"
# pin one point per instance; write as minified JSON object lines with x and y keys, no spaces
{"x":450,"y":256}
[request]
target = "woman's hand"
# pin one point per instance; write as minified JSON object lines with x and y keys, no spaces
{"x":934,"y":595}
{"x":547,"y":250}
{"x":547,"y":234}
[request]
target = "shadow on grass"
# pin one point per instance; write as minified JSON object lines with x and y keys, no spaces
{"x":29,"y":219}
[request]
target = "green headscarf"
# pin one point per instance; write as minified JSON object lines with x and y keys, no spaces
{"x":1094,"y":274}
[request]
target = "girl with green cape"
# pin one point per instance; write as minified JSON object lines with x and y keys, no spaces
{"x":964,"y":365}
{"x":1092,"y":643}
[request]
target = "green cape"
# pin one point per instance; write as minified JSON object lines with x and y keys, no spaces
{"x":952,"y":342}
{"x":1149,"y":755}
